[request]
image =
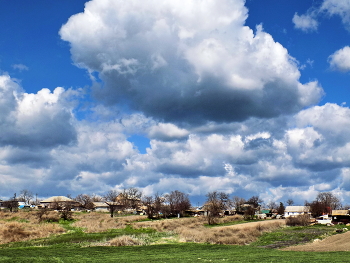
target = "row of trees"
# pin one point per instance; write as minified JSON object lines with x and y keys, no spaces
{"x":176,"y":203}
{"x":217,"y":202}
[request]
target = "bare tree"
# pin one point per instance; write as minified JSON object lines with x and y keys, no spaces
{"x":324,"y":204}
{"x":255,"y":201}
{"x":178,"y":202}
{"x":113,"y":206}
{"x":238,"y":203}
{"x":216,"y":203}
{"x":249,"y":213}
{"x":111,"y":196}
{"x":346,"y":207}
{"x":66,"y":212}
{"x":131,"y":198}
{"x":96,"y":198}
{"x":154,"y":205}
{"x":11,"y":204}
{"x":329,"y":200}
{"x":159,"y":205}
{"x":148,"y":202}
{"x":26,"y":196}
{"x":290,"y":202}
{"x":272,"y":205}
{"x":85,"y":201}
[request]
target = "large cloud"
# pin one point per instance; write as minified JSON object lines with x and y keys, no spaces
{"x":33,"y":120}
{"x":189,"y":61}
{"x":321,"y":140}
{"x":244,"y":162}
{"x":176,"y":62}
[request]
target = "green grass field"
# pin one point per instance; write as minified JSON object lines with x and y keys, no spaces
{"x":188,"y":252}
{"x":78,"y":246}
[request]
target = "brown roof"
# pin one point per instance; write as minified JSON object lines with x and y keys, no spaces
{"x":100,"y":204}
{"x":340,"y":212}
{"x":57,"y":199}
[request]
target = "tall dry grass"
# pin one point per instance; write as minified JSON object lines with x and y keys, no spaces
{"x":193,"y":230}
{"x":23,"y":226}
{"x":300,"y":220}
{"x":31,"y":216}
{"x":100,"y":222}
{"x":125,"y":241}
{"x":20,"y":231}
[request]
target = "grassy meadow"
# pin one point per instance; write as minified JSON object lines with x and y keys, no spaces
{"x":96,"y":237}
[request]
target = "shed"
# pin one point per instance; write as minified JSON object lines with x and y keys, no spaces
{"x":340,"y":216}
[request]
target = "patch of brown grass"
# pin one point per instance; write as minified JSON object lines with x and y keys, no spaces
{"x":20,"y":215}
{"x":17,"y":231}
{"x":300,"y":220}
{"x":23,"y":226}
{"x":125,"y":241}
{"x":100,"y":222}
{"x":193,"y":230}
{"x":172,"y":224}
{"x":228,"y":219}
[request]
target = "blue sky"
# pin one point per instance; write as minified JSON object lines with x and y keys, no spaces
{"x":247,"y":97}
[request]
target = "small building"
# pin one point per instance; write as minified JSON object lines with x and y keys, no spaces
{"x":340,"y":216}
{"x":101,"y":206}
{"x":265,"y":213}
{"x":12,"y":205}
{"x":293,"y":210}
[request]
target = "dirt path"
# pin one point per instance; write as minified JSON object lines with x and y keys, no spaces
{"x":340,"y":242}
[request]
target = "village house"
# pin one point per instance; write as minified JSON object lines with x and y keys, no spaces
{"x":101,"y":206}
{"x":59,"y":202}
{"x":296,"y":210}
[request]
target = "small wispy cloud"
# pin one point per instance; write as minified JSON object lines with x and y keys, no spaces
{"x":20,"y":67}
{"x":308,"y":22}
{"x":305,"y":22}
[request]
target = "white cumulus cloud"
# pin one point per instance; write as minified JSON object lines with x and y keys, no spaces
{"x":179,"y":63}
{"x":340,"y":60}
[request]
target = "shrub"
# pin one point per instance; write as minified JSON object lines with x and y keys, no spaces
{"x":125,"y":241}
{"x":301,"y":220}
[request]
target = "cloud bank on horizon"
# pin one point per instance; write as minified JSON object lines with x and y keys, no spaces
{"x":222,"y":104}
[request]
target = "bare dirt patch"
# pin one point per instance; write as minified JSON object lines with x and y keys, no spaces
{"x":339,"y":242}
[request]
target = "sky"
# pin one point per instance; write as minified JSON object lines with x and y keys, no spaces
{"x":245,"y":97}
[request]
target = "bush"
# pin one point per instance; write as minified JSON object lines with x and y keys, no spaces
{"x":301,"y":220}
{"x":45,"y":215}
{"x":125,"y":241}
